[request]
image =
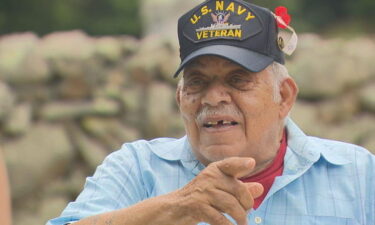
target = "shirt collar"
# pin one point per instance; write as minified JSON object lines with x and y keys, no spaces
{"x":179,"y":149}
{"x":311,"y":149}
{"x":171,"y":150}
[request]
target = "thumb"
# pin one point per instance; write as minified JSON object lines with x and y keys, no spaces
{"x":236,"y":166}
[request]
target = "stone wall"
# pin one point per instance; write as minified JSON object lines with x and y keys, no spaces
{"x":67,"y":100}
{"x":161,"y":16}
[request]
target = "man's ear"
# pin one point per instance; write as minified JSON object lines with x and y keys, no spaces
{"x":178,"y":94}
{"x":288,"y":93}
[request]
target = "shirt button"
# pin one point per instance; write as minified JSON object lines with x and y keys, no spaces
{"x":258,"y":220}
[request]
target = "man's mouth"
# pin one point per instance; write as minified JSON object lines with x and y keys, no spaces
{"x":219,"y":123}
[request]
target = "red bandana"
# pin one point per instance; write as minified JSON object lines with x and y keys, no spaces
{"x":268,"y":175}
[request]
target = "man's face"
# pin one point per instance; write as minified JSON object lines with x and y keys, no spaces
{"x":229,"y":111}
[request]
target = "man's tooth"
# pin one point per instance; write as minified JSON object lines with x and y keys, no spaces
{"x":220,"y":122}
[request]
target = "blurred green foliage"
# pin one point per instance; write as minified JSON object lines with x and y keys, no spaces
{"x":122,"y":16}
{"x":328,"y":16}
{"x":93,"y":16}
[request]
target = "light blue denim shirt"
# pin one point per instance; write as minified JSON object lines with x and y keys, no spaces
{"x":324,"y":182}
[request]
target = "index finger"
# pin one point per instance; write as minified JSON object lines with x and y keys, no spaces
{"x":236,"y":167}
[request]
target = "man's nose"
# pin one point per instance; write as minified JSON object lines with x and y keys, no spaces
{"x":216,"y":94}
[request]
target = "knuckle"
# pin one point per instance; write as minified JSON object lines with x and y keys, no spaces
{"x":229,"y":204}
{"x":237,"y":212}
{"x":250,"y":203}
{"x":211,"y":172}
{"x":198,"y":212}
{"x":244,"y":196}
{"x":225,"y":164}
{"x":219,"y":219}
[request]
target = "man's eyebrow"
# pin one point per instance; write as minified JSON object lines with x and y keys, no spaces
{"x":190,"y":72}
{"x":241,"y":71}
{"x":230,"y":63}
{"x":195,"y":63}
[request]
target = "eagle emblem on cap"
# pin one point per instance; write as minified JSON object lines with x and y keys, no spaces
{"x":221,"y":28}
{"x":220,"y":17}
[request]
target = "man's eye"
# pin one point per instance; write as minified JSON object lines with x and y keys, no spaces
{"x":195,"y":82}
{"x":195,"y":85}
{"x":238,"y":81}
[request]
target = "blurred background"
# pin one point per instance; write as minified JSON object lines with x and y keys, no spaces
{"x":80,"y":77}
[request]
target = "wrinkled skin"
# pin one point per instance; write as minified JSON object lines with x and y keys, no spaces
{"x":214,"y":84}
{"x":234,"y":127}
{"x":217,"y":189}
{"x":230,"y":112}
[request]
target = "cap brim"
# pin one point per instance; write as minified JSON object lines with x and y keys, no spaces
{"x":250,"y":60}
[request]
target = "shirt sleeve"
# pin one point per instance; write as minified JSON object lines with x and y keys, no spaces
{"x":364,"y":164}
{"x":370,"y":211}
{"x":116,"y":184}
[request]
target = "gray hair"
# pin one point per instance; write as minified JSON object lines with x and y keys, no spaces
{"x":280,"y":73}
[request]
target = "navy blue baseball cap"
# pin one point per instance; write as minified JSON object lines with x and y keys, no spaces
{"x":233,"y":29}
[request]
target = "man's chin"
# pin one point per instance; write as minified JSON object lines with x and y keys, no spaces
{"x":229,"y":138}
{"x":213,"y":153}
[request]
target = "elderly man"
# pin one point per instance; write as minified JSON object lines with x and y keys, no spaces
{"x":243,"y":160}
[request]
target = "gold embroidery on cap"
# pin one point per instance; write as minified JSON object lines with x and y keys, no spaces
{"x":220,"y":28}
{"x":220,"y":6}
{"x":220,"y":14}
